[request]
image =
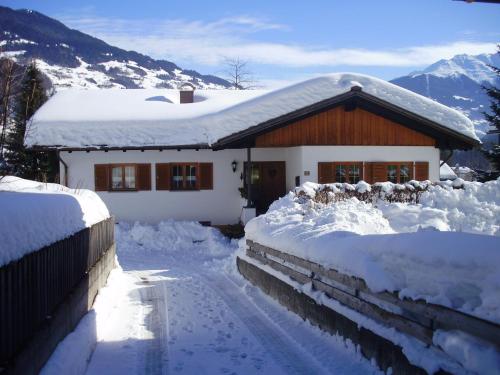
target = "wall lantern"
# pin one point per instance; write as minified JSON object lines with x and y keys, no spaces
{"x":234,"y":165}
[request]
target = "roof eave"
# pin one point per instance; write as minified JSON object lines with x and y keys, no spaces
{"x":105,"y":148}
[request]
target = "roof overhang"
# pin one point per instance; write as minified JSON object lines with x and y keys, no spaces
{"x":125,"y":148}
{"x":446,"y":138}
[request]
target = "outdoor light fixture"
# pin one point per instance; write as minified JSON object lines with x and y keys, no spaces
{"x":234,"y":165}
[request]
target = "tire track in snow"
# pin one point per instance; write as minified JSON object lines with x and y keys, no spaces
{"x":283,"y":349}
{"x":155,"y":354}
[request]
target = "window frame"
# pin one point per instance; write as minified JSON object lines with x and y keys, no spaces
{"x":398,"y":165}
{"x":122,"y":166}
{"x":347,"y":165}
{"x":184,"y":166}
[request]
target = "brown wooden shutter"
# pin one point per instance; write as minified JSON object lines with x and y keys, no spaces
{"x":206,"y":176}
{"x":101,"y":177}
{"x":163,"y":176}
{"x":368,"y":172}
{"x":379,"y":172}
{"x":421,"y":170}
{"x":325,"y":173}
{"x":143,"y":177}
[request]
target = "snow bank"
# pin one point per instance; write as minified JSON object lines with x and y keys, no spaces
{"x":154,"y":117}
{"x":34,"y":215}
{"x":451,"y":236}
{"x":182,"y":238}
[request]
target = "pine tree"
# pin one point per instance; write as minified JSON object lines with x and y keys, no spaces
{"x":493,"y":118}
{"x":22,"y":161}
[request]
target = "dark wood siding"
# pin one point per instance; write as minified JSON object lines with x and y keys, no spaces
{"x":163,"y":176}
{"x":101,"y":174}
{"x":339,"y":127}
{"x":143,"y":176}
{"x":206,"y":176}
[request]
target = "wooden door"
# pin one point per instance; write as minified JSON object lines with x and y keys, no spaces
{"x":268,"y":183}
{"x":273,"y":184}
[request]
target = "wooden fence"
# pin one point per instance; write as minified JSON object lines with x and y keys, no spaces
{"x":32,"y":287}
{"x":415,"y":318}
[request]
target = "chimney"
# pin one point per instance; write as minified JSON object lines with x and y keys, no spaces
{"x":186,"y":92}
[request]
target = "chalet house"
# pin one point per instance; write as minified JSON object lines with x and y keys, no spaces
{"x":155,"y":154}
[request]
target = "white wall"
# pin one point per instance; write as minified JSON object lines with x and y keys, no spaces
{"x":222,"y":205}
{"x":311,"y":155}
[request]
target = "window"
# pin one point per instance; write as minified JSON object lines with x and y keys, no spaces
{"x":404,"y":173}
{"x":392,"y":173}
{"x":123,"y":177}
{"x":354,"y":173}
{"x":340,"y":173}
{"x":346,"y":171}
{"x":399,"y":173}
{"x":184,"y":176}
{"x":349,"y":172}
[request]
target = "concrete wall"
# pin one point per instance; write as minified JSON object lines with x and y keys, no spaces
{"x":223,"y":204}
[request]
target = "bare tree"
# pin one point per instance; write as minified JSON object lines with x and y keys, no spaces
{"x":238,"y":74}
{"x":10,"y":76}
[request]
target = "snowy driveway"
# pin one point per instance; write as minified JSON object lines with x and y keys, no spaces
{"x":185,"y":313}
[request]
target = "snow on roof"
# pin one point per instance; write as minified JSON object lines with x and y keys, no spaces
{"x":154,"y":117}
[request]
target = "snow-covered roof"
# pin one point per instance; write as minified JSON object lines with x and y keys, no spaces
{"x":154,"y":117}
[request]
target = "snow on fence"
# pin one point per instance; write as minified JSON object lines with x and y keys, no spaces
{"x":415,"y":318}
{"x":34,"y":287}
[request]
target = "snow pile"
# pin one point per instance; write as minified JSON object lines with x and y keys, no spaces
{"x":473,"y":353}
{"x":392,"y":245}
{"x":446,"y":173}
{"x":154,"y":117}
{"x":179,"y":238}
{"x":34,"y":215}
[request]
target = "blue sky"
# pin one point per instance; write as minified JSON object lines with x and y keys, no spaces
{"x":287,"y":40}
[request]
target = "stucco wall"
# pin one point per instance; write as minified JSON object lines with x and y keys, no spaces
{"x":311,"y":155}
{"x":222,"y":205}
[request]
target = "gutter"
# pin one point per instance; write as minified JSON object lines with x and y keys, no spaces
{"x":65,"y":169}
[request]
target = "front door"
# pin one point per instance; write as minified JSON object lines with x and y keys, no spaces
{"x":268,"y":183}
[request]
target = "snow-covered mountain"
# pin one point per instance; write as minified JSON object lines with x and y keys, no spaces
{"x":71,"y":58}
{"x":457,"y":83}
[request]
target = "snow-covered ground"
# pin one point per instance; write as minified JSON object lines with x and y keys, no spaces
{"x":179,"y":306}
{"x":34,"y":215}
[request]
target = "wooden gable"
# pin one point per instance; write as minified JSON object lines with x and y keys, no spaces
{"x":337,"y":126}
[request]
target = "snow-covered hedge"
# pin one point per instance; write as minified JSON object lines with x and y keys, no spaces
{"x":444,"y":249}
{"x":34,"y":215}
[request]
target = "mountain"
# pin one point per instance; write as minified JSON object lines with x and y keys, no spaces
{"x":71,"y":58}
{"x":457,"y":83}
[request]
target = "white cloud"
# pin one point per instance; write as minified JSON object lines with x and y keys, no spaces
{"x":208,"y":43}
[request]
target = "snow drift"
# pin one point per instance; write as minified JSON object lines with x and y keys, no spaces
{"x":34,"y":215}
{"x":445,"y":249}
